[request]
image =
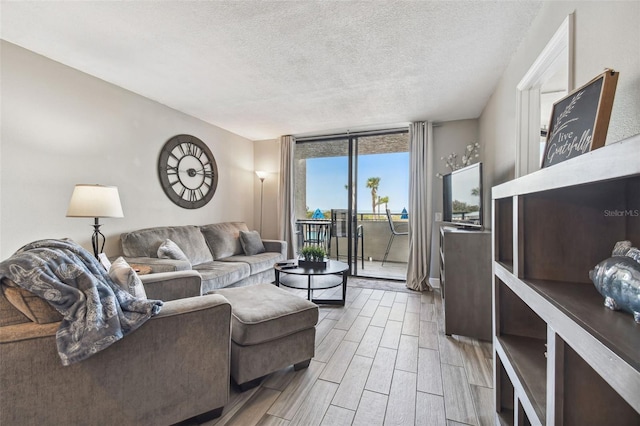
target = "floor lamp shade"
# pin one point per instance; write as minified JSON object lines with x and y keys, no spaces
{"x":95,"y":201}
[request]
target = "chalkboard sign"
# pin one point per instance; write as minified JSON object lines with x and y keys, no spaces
{"x":580,"y":120}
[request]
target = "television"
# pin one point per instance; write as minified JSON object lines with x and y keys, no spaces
{"x":462,"y":197}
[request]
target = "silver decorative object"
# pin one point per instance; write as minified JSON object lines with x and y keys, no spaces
{"x":621,"y":248}
{"x":618,"y":280}
{"x":634,"y":253}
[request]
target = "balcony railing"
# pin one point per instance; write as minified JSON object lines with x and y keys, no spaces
{"x":376,"y":233}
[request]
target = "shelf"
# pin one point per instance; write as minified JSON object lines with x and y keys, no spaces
{"x":565,"y":232}
{"x":526,"y":356}
{"x":550,"y":228}
{"x":593,"y":166}
{"x":506,"y":397}
{"x":503,"y":230}
{"x":507,"y":266}
{"x":583,"y":304}
{"x":318,"y":282}
{"x":591,"y":400}
{"x":506,"y":418}
{"x":609,"y":341}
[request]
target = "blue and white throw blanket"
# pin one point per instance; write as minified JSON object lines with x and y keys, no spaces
{"x":97,"y":312}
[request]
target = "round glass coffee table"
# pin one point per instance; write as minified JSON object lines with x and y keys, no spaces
{"x":310,"y":279}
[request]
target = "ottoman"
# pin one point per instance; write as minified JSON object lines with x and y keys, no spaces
{"x":270,"y":329}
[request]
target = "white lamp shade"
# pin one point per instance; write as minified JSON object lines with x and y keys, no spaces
{"x":95,"y":201}
{"x":261,"y":174}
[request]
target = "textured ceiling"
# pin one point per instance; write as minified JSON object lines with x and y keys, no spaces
{"x":267,"y":68}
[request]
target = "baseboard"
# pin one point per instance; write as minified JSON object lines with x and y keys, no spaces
{"x":434,"y":282}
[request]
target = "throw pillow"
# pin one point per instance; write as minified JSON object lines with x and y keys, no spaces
{"x":251,"y":242}
{"x":170,"y":250}
{"x":223,"y":239}
{"x":124,"y":275}
{"x":31,"y":305}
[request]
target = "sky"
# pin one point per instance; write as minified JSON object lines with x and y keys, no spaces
{"x":327,"y":176}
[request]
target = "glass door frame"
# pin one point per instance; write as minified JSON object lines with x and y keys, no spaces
{"x":352,"y":189}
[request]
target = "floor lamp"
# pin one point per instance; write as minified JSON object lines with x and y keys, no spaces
{"x":95,"y":201}
{"x":261,"y":176}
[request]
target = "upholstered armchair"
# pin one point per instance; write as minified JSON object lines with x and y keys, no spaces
{"x":174,"y":367}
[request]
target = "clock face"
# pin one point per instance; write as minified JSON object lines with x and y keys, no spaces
{"x":188,"y":172}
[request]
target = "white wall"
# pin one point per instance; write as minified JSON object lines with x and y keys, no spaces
{"x":61,"y":127}
{"x":607,"y":35}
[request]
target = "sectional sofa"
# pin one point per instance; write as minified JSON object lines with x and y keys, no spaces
{"x":225,"y":254}
{"x":174,"y":367}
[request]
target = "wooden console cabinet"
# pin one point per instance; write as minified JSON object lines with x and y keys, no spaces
{"x":465,"y":281}
{"x":560,"y":356}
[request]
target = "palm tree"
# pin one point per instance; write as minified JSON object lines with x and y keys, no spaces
{"x":373,"y":183}
{"x":383,"y":200}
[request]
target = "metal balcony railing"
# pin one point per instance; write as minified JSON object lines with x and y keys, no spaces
{"x":376,"y":233}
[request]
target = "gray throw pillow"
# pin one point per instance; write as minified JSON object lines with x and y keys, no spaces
{"x":251,"y":242}
{"x":170,"y":250}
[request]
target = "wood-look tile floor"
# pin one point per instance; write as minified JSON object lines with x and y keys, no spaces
{"x":382,"y":359}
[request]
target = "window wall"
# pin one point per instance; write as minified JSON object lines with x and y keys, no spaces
{"x":363,"y":174}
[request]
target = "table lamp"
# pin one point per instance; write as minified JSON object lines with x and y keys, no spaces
{"x":95,"y":201}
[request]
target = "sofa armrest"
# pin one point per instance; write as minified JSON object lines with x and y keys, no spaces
{"x":27,"y":331}
{"x":32,"y":330}
{"x":277,"y":246}
{"x":167,"y":286}
{"x":160,"y":265}
{"x":185,"y":347}
{"x":193,"y":304}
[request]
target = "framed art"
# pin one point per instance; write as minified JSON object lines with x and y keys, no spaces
{"x":579,"y":121}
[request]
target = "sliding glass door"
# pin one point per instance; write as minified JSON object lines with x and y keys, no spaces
{"x":383,"y":182}
{"x":344,"y":186}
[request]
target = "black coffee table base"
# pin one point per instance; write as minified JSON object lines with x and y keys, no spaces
{"x":310,"y":280}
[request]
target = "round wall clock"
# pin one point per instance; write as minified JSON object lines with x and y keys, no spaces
{"x":188,"y":172}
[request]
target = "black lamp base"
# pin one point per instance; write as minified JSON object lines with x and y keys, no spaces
{"x":96,"y":237}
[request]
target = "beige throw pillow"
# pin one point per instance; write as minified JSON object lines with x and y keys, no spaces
{"x":124,"y":275}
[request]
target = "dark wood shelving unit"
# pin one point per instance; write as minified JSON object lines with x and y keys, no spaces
{"x":465,"y":281}
{"x":583,"y":304}
{"x":526,"y":355}
{"x":563,"y":357}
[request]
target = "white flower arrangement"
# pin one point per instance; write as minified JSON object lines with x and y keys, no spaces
{"x":470,"y":153}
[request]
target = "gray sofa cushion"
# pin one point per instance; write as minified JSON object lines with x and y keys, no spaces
{"x":145,"y":242}
{"x":224,"y":238}
{"x":217,"y":274}
{"x":251,"y":243}
{"x":264,"y":312}
{"x":258,"y":263}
